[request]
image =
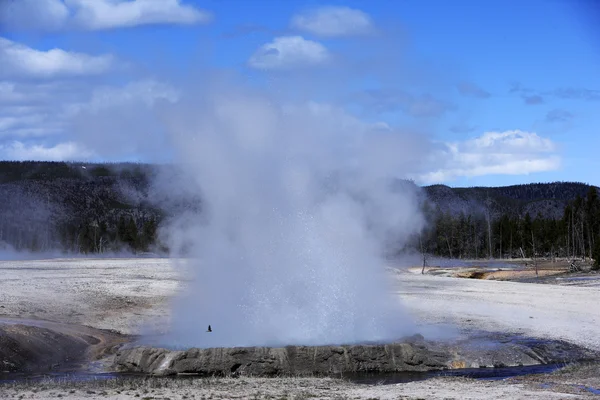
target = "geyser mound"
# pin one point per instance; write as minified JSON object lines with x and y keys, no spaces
{"x":299,"y":205}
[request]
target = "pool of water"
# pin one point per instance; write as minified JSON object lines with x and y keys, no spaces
{"x":580,"y":278}
{"x":14,"y":377}
{"x":588,"y":389}
{"x":456,"y":263}
{"x":360,"y":378}
{"x":475,"y":373}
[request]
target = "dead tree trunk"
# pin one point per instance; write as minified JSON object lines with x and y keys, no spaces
{"x":534,"y":258}
{"x":422,"y":254}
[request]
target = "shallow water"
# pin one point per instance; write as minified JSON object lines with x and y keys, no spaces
{"x":581,"y":387}
{"x":590,"y":389}
{"x":15,"y":377}
{"x":580,"y":278}
{"x":359,"y":378}
{"x":475,"y":373}
{"x":456,"y":263}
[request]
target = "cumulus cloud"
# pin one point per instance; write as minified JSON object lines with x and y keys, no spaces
{"x":493,"y":153}
{"x":289,"y":52}
{"x":97,"y":14}
{"x":20,"y":151}
{"x":20,"y":61}
{"x":472,"y":90}
{"x":330,"y":21}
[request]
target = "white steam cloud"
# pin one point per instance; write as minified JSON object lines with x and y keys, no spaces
{"x":299,"y":204}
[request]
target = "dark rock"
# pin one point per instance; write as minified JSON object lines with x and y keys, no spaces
{"x":39,"y":346}
{"x":414,"y":354}
{"x":290,"y":360}
{"x":26,"y":348}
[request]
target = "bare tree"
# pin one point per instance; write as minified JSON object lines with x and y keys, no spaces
{"x":488,"y":202}
{"x":535,"y":265}
{"x":423,"y":254}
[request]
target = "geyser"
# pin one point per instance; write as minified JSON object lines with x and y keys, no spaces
{"x":299,"y":204}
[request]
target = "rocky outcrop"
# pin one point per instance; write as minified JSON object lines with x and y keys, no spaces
{"x":413,"y":355}
{"x":33,"y":349}
{"x":41,"y":346}
{"x":290,"y":360}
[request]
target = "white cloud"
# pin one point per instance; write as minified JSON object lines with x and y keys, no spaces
{"x":60,"y":120}
{"x":18,"y":60}
{"x":97,"y":14}
{"x":515,"y":141}
{"x":289,"y":52}
{"x":43,"y":109}
{"x":493,"y":153}
{"x":333,"y":21}
{"x":67,"y":151}
{"x":107,"y":14}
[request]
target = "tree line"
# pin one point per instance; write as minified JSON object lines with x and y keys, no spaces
{"x":575,"y":235}
{"x":100,"y":208}
{"x":91,"y":236}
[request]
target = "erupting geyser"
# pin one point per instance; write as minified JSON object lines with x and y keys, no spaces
{"x":299,"y":205}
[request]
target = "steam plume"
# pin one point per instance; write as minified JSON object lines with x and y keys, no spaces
{"x":298,"y":207}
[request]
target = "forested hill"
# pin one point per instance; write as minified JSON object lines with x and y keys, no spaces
{"x":111,"y":207}
{"x":547,"y":199}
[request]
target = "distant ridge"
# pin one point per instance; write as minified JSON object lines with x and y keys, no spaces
{"x":547,"y":199}
{"x":58,"y":205}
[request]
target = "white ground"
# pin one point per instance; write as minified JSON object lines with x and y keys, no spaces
{"x":119,"y":294}
{"x":570,"y":313}
{"x":127,"y":294}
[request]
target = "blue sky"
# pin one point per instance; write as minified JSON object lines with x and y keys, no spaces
{"x":505,"y":91}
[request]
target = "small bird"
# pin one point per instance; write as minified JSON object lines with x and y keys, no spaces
{"x":209,"y":329}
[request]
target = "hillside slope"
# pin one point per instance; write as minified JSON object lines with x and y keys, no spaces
{"x":103,"y":207}
{"x":547,"y":199}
